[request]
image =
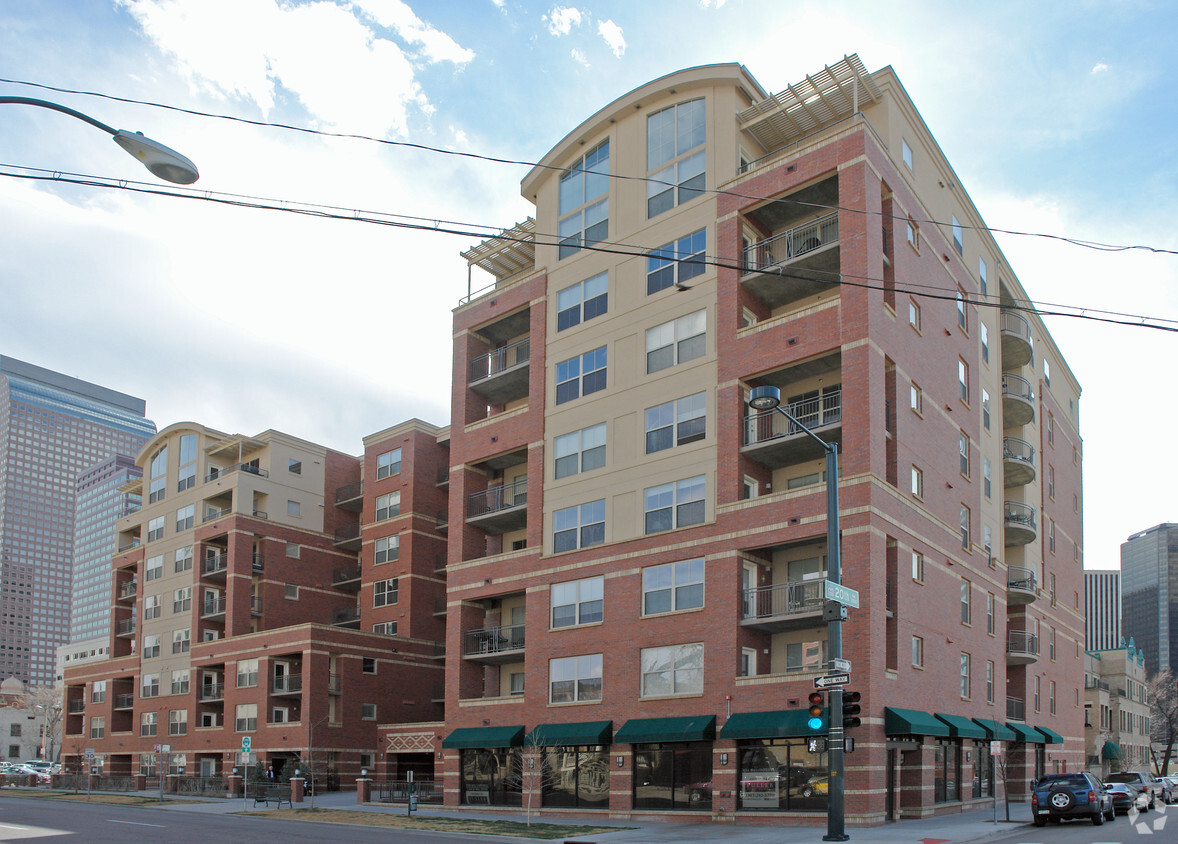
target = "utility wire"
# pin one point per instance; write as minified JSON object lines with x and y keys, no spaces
{"x":469,"y":230}
{"x":1087,"y":244}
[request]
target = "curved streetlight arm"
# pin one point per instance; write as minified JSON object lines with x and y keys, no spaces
{"x":163,"y":162}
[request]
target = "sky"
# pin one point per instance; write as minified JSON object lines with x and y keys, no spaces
{"x":1057,"y":116}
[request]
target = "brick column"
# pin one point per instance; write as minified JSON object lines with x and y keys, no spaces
{"x":296,"y":790}
{"x":363,"y":790}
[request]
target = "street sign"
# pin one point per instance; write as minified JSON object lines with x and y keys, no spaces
{"x":245,"y":759}
{"x":831,"y":680}
{"x":841,"y":665}
{"x":816,"y":745}
{"x":166,"y":748}
{"x":245,"y":744}
{"x":842,"y":594}
{"x":995,"y":748}
{"x":89,"y":752}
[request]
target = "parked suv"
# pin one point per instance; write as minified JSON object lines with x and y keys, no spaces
{"x":1143,"y":781}
{"x":1081,"y":795}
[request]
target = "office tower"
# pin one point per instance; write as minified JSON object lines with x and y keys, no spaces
{"x":52,"y":428}
{"x":1149,"y":595}
{"x":1102,"y":609}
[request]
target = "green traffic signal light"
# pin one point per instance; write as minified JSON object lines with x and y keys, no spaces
{"x":817,"y":708}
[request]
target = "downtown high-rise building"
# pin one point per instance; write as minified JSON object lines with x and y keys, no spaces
{"x":52,"y":428}
{"x":1149,"y":594}
{"x":1102,"y":609}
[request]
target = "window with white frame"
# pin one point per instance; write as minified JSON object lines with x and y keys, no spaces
{"x":989,"y":681}
{"x":917,"y":482}
{"x":958,"y":236}
{"x":183,"y":559}
{"x":179,"y":682}
{"x":965,"y":528}
{"x":1047,"y":371}
{"x":181,"y":640}
{"x":182,"y":599}
{"x":186,"y":474}
{"x":673,"y":670}
{"x":246,"y":718}
{"x":914,"y":242}
{"x":963,"y":379}
{"x":185,"y":517}
{"x":982,"y":276}
{"x":965,"y":678}
{"x":158,"y":473}
{"x":584,"y":201}
{"x":677,"y":262}
{"x":582,"y":301}
{"x":151,"y":646}
{"x":388,"y":549}
{"x":676,"y":422}
{"x":918,"y":652}
{"x":985,"y":408}
{"x":966,"y":608}
{"x":990,"y":613}
{"x":914,"y":314}
{"x":577,"y":602}
{"x":151,"y":607}
{"x":247,"y":673}
{"x":963,"y":452}
{"x":294,"y":508}
{"x":581,"y":375}
{"x":155,"y":529}
{"x":675,"y":505}
{"x":579,"y":451}
{"x":368,"y":711}
{"x":916,"y":398}
{"x":388,"y":464}
{"x":673,"y":587}
{"x":986,"y":479}
{"x":675,"y":155}
{"x":292,"y":550}
{"x":574,"y":679}
{"x":148,"y":724}
{"x":906,"y":153}
{"x":386,"y":628}
{"x":149,"y":685}
{"x":578,"y":527}
{"x":388,"y":506}
{"x":677,"y":341}
{"x":178,"y":722}
{"x":154,"y":567}
{"x":917,"y":565}
{"x":384,"y":592}
{"x":290,"y":591}
{"x":98,"y":727}
{"x":97,"y":692}
{"x":962,"y":317}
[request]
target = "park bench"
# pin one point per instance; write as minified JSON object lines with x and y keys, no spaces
{"x":272,"y":794}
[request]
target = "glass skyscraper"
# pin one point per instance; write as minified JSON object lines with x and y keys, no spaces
{"x":1149,"y":595}
{"x":52,"y":428}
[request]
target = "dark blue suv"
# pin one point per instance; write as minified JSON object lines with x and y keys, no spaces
{"x":1059,"y":796}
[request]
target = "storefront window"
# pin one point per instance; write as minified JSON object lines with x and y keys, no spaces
{"x":673,"y":776}
{"x":983,"y":769}
{"x":576,"y":778}
{"x":491,"y":777}
{"x":780,"y":775}
{"x":947,"y":773}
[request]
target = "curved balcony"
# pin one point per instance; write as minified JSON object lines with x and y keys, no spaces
{"x":1016,"y":340}
{"x":1018,"y":462}
{"x":1022,"y":648}
{"x":1019,"y":522}
{"x":1018,"y":400}
{"x":1020,"y":585}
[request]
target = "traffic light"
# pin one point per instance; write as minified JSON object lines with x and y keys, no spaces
{"x":817,"y":710}
{"x":851,"y":710}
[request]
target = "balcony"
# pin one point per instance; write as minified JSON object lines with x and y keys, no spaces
{"x":1018,"y":401}
{"x":124,"y":701}
{"x":128,"y":590}
{"x":784,"y":606}
{"x":347,"y":578}
{"x":350,"y":497}
{"x":1021,"y":587}
{"x":1016,"y":709}
{"x":248,"y":468}
{"x":128,"y":545}
{"x":1018,"y":462}
{"x":346,"y":617}
{"x":211,"y":692}
{"x":1016,"y":340}
{"x":77,"y":706}
{"x":499,"y":509}
{"x":1019,"y":523}
{"x":494,"y":644}
{"x":213,"y":608}
{"x":795,"y":263}
{"x":258,"y":563}
{"x":501,"y":375}
{"x":347,"y":537}
{"x":214,"y":565}
{"x":443,"y":476}
{"x":256,"y":605}
{"x":1022,"y":648}
{"x":125,"y":627}
{"x":440,"y":606}
{"x":214,"y":513}
{"x":775,"y":441}
{"x":334,"y":686}
{"x":287,"y":684}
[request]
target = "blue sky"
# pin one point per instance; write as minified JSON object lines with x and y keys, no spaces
{"x":1058,"y":118}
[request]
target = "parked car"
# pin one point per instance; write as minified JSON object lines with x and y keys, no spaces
{"x":816,"y":785}
{"x":1169,"y":789}
{"x":1079,"y":795}
{"x":1126,"y":797}
{"x":1143,"y":781}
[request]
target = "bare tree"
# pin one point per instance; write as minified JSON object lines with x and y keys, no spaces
{"x":43,"y":703}
{"x":1162,"y":689}
{"x":532,"y":773}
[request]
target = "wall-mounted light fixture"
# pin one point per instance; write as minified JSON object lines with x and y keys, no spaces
{"x":723,"y":758}
{"x":621,"y":761}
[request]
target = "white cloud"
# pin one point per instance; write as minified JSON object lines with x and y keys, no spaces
{"x":1099,"y":67}
{"x":438,"y":46}
{"x":579,"y":57}
{"x":704,"y":4}
{"x":612,"y":33}
{"x":562,"y":19}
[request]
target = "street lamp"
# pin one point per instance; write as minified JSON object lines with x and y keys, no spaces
{"x":52,"y":713}
{"x":768,"y":398}
{"x":162,"y":161}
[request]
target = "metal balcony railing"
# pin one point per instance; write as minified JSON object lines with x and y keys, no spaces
{"x":792,"y":243}
{"x":215,"y":513}
{"x":128,"y":590}
{"x":214,"y":563}
{"x":498,"y":498}
{"x":213,"y":606}
{"x":497,"y":360}
{"x":1018,"y":577}
{"x":125,"y":626}
{"x":77,"y":707}
{"x":333,"y":684}
{"x":345,"y":574}
{"x":493,"y":640}
{"x":1016,"y":324}
{"x":346,"y":533}
{"x":349,"y":491}
{"x":1016,"y":709}
{"x":1022,"y":642}
{"x":1017,"y":513}
{"x":237,"y":467}
{"x":127,"y":546}
{"x":124,"y":701}
{"x":347,"y":615}
{"x":286,"y":684}
{"x":212,"y":691}
{"x":1015,"y":449}
{"x":796,"y":596}
{"x":1018,"y":386}
{"x":764,"y":425}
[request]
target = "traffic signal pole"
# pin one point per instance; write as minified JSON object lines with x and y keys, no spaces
{"x":836,"y":802}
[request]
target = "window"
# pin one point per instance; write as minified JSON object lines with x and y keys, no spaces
{"x":387,"y":628}
{"x":1051,"y":535}
{"x":917,"y":652}
{"x":673,"y":587}
{"x":578,"y":527}
{"x":1050,"y":428}
{"x":1047,"y":371}
{"x":574,"y":679}
{"x":1051,"y":702}
{"x":368,"y":711}
{"x":367,"y":665}
{"x":388,"y":506}
{"x":247,"y":673}
{"x":247,"y":717}
{"x":98,"y":727}
{"x":388,"y":549}
{"x":97,"y":695}
{"x":906,"y":153}
{"x":674,"y":264}
{"x":982,"y":276}
{"x":965,"y":528}
{"x":584,"y":201}
{"x":1051,"y":482}
{"x":154,"y":567}
{"x":185,"y":517}
{"x":155,"y":529}
{"x":582,"y":301}
{"x":966,"y":612}
{"x":183,"y":560}
{"x":962,"y":318}
{"x":290,"y":591}
{"x":580,"y":451}
{"x":677,"y":341}
{"x":958,"y":235}
{"x":181,"y":640}
{"x":151,"y":607}
{"x":388,"y":464}
{"x":917,"y":565}
{"x":1051,"y":587}
{"x":989,"y":681}
{"x":577,"y":602}
{"x":963,"y":452}
{"x":178,"y":722}
{"x":672,"y":137}
{"x":182,"y":599}
{"x":294,"y":508}
{"x":990,"y":613}
{"x":748,"y":662}
{"x":674,"y":505}
{"x":384,"y":592}
{"x":1051,"y":643}
{"x":151,"y":646}
{"x":750,"y":488}
{"x":988,"y":542}
{"x":916,"y":398}
{"x":674,"y":670}
{"x":986,"y":477}
{"x":295,"y":467}
{"x":984,"y":331}
{"x":965,"y":681}
{"x":581,"y":375}
{"x":985,"y":408}
{"x":186,"y":476}
{"x":158,"y":471}
{"x":180,"y":682}
{"x":675,"y":423}
{"x":963,"y":379}
{"x":914,"y":314}
{"x":150,"y":685}
{"x":917,"y":482}
{"x":914,"y":242}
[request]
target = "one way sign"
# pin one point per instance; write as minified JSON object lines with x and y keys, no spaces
{"x":831,"y":680}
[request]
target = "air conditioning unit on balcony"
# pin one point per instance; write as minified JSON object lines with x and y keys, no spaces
{"x":280,"y":715}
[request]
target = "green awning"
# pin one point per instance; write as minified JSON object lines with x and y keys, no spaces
{"x":1052,"y":736}
{"x":1111,"y":751}
{"x":1024,"y":733}
{"x":962,"y":727}
{"x":995,"y":729}
{"x":571,"y":735}
{"x":652,"y":730}
{"x":782,"y":723}
{"x":471,"y":737}
{"x":912,"y":722}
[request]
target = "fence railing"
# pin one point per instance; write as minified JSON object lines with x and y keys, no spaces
{"x":1022,"y":642}
{"x":783,"y":599}
{"x":1020,"y":578}
{"x":792,"y":243}
{"x":498,"y":498}
{"x":491,"y":640}
{"x":497,"y":360}
{"x":826,"y":409}
{"x":397,"y":791}
{"x":1016,"y":709}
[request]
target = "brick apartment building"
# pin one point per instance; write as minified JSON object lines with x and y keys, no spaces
{"x":636,"y":558}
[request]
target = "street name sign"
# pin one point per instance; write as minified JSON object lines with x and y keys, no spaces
{"x":842,"y":594}
{"x":831,"y":680}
